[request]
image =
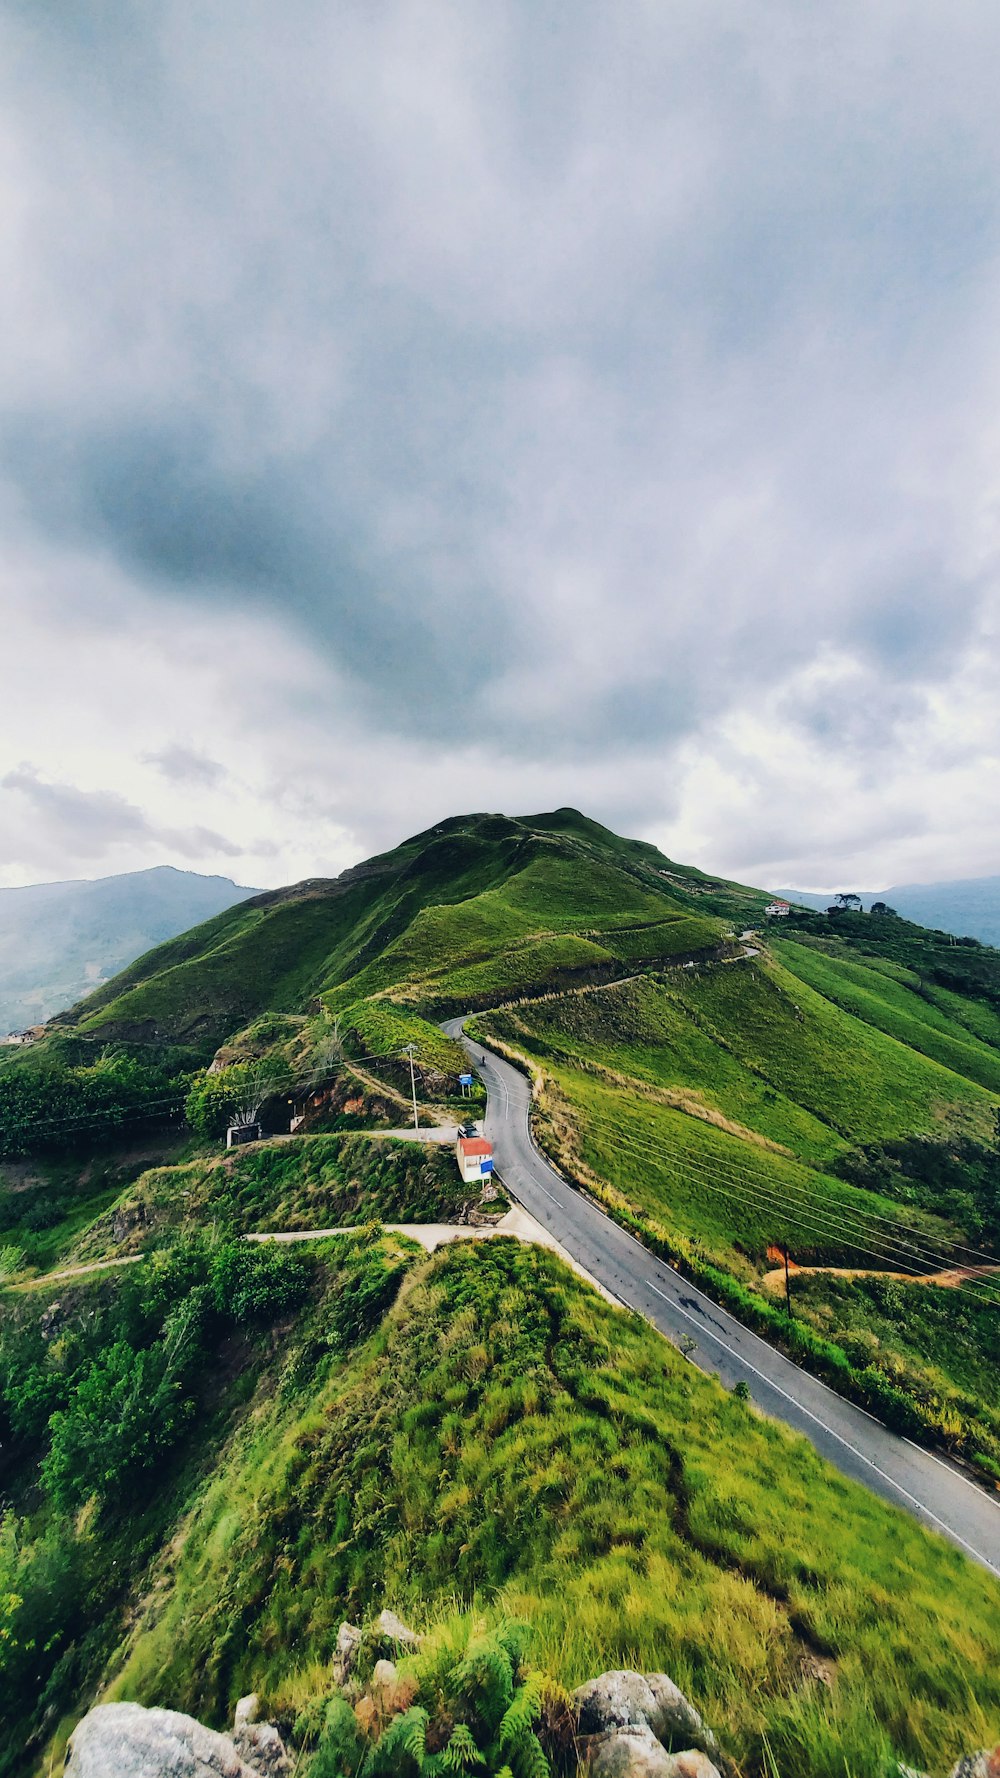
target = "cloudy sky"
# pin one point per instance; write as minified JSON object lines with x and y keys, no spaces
{"x":418,"y":407}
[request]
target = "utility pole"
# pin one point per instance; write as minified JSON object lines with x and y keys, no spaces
{"x":788,"y":1288}
{"x":413,"y":1087}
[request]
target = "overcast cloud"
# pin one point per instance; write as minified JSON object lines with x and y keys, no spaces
{"x":409,"y":408}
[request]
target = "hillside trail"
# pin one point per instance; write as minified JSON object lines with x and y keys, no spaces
{"x":949,"y":1279}
{"x":516,"y":1223}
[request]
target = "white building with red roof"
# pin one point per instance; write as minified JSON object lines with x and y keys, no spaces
{"x":475,"y":1158}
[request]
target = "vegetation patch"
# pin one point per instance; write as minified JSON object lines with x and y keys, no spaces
{"x":308,"y":1182}
{"x":508,"y":1435}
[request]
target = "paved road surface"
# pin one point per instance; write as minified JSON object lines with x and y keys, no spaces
{"x":931,"y":1489}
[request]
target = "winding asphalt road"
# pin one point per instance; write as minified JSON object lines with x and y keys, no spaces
{"x":933,"y":1490}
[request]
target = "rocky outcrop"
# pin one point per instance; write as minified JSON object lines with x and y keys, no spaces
{"x":349,"y":1639}
{"x":261,"y":1748}
{"x":624,"y":1719}
{"x":133,"y":1742}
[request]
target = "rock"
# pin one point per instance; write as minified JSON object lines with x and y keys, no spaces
{"x":674,"y":1718}
{"x":247,"y":1710}
{"x":616,"y":1700}
{"x":366,"y":1716}
{"x":385,"y":1676}
{"x":261,"y":1747}
{"x":631,"y":1752}
{"x":50,"y":1321}
{"x":394,"y":1630}
{"x":126,"y":1220}
{"x":348,"y":1642}
{"x":693,"y":1763}
{"x":132,"y":1742}
{"x":984,"y":1764}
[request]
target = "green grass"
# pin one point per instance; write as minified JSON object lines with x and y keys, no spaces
{"x":306,"y":1182}
{"x":710,"y":1186}
{"x":687,"y":934}
{"x":949,"y":1338}
{"x":890,"y":1003}
{"x":864,"y":1084}
{"x":384,"y":1028}
{"x":644,"y":1029}
{"x":507,"y":1436}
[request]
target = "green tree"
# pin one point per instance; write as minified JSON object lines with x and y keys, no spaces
{"x":255,"y":1281}
{"x":235,"y":1095}
{"x":126,"y":1412}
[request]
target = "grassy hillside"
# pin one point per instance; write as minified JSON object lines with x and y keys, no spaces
{"x":254,"y":1443}
{"x":504,"y":1443}
{"x":470,"y":893}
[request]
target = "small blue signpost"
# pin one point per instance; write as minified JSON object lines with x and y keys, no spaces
{"x":486,"y":1166}
{"x":465,"y":1082}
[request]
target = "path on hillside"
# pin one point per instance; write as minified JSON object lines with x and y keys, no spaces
{"x":930,"y":1488}
{"x":952,"y":1278}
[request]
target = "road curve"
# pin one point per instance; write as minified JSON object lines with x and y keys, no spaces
{"x":928,"y":1487}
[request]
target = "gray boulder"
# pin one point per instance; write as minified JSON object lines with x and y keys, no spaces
{"x":675,"y":1719}
{"x":247,"y":1711}
{"x":623,"y":1720}
{"x":631,"y":1752}
{"x":692,"y":1763}
{"x":129,"y":1741}
{"x":392,"y":1629}
{"x":984,"y":1764}
{"x":635,"y":1752}
{"x":616,"y":1700}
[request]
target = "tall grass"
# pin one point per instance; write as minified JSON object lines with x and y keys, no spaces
{"x":509,"y":1439}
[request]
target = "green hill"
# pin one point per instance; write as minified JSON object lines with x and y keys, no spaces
{"x":479,"y":905}
{"x":213,"y":1453}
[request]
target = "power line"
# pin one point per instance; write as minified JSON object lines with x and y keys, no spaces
{"x":813,"y":1221}
{"x":917,"y":1235}
{"x":175,"y":1101}
{"x":821,"y":1214}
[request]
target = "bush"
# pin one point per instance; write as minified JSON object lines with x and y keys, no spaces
{"x":257,"y":1280}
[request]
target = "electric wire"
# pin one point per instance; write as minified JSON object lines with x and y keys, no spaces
{"x":912,"y":1240}
{"x":816,"y":1224}
{"x":174,"y":1102}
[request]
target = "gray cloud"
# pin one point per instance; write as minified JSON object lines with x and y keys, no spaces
{"x":89,"y":824}
{"x":90,"y":821}
{"x":595,"y":369}
{"x":183,"y":765}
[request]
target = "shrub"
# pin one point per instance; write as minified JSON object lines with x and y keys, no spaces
{"x":257,"y":1281}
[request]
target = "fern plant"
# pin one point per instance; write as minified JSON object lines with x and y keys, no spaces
{"x":476,"y":1714}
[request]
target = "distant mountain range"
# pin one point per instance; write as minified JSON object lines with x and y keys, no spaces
{"x":969,"y":907}
{"x":58,"y":941}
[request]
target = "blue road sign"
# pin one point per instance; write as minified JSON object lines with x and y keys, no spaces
{"x":465,"y":1080}
{"x":486,"y":1166}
